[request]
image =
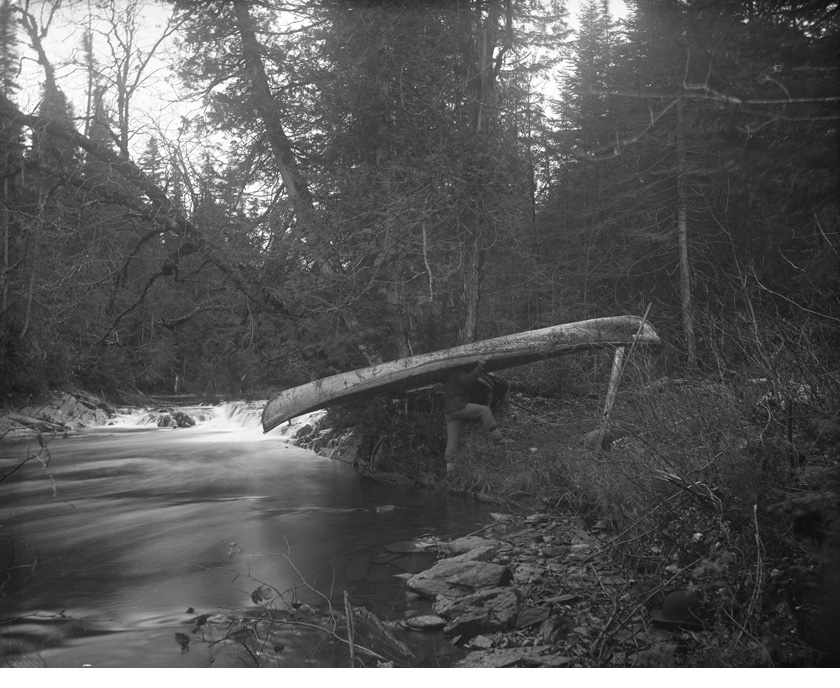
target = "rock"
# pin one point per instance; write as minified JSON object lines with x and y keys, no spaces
{"x":454,"y":577}
{"x":304,"y":431}
{"x":526,"y":574}
{"x":494,"y":659}
{"x":466,"y":544}
{"x":71,"y":411}
{"x":427,"y":622}
{"x":481,"y":642}
{"x":485,"y":611}
{"x":532,"y":616}
{"x":561,"y":599}
{"x":347,"y":449}
{"x":182,"y":420}
{"x":501,"y":518}
{"x":538,"y":518}
{"x":555,"y":628}
{"x":478,"y":554}
{"x":167,"y":418}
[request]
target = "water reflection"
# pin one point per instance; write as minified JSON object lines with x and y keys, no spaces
{"x":126,"y":529}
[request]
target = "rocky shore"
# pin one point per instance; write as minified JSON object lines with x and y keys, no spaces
{"x":66,"y":411}
{"x":61,"y":412}
{"x":539,"y":590}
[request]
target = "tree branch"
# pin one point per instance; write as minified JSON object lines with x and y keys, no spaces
{"x":162,"y":212}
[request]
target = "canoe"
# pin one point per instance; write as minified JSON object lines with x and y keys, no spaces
{"x":499,"y":353}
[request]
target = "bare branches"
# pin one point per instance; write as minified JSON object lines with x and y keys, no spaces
{"x":162,"y":210}
{"x":130,"y":61}
{"x":36,"y":37}
{"x":706,"y":92}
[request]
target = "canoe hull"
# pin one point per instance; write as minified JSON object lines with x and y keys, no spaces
{"x":499,"y":354}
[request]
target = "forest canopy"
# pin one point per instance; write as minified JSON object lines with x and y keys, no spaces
{"x":340,"y":182}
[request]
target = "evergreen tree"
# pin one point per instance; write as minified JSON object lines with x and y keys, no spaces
{"x":11,"y":141}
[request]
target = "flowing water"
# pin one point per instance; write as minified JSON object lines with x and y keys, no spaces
{"x":111,"y":534}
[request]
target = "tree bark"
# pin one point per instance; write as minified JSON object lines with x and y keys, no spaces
{"x":473,"y":258}
{"x":281,"y":146}
{"x":4,"y":215}
{"x":682,"y":236}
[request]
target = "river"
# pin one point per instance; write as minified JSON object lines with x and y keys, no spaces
{"x":113,"y":534}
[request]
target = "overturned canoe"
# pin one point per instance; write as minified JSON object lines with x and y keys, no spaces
{"x":499,"y":353}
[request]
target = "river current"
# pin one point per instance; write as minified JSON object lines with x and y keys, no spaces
{"x":111,"y":535}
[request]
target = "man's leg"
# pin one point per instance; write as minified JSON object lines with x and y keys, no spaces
{"x":473,"y":411}
{"x":453,"y":426}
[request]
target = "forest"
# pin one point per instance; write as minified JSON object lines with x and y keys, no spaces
{"x":366,"y":180}
{"x":230,"y":198}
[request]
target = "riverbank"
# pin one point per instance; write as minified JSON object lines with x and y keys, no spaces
{"x":596,"y":541}
{"x":703,"y":494}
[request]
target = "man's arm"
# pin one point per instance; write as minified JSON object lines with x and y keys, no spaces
{"x":473,"y":375}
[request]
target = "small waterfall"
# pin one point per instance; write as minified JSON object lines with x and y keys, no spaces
{"x":246,"y":414}
{"x":166,"y":416}
{"x":234,"y":414}
{"x":249,"y":415}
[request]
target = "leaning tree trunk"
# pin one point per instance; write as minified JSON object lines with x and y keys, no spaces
{"x":281,"y":147}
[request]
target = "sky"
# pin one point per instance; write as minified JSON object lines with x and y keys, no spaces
{"x":159,"y":107}
{"x":617,"y":8}
{"x":157,"y":96}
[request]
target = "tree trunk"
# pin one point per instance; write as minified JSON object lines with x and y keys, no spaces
{"x":682,"y":235}
{"x":473,"y":258}
{"x":482,"y":65}
{"x":281,"y":146}
{"x":4,"y":216}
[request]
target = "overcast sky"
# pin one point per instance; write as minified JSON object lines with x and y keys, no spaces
{"x":159,"y":100}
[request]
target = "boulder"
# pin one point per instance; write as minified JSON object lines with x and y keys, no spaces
{"x":304,"y":431}
{"x":468,"y":543}
{"x":478,"y":554}
{"x":485,"y":611}
{"x":426,"y":622}
{"x":455,"y":577}
{"x":70,"y":411}
{"x":166,"y":418}
{"x":182,"y":420}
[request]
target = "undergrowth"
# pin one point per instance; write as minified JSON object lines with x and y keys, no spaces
{"x":724,"y":482}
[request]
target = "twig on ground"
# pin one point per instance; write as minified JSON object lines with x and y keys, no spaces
{"x":348,"y":613}
{"x":602,"y":635}
{"x":759,"y":582}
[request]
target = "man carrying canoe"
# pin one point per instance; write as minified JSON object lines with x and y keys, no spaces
{"x":457,"y":408}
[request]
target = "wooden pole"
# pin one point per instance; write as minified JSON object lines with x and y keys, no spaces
{"x":612,"y":389}
{"x":615,"y":376}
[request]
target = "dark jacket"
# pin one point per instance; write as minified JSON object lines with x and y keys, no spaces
{"x":456,"y":388}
